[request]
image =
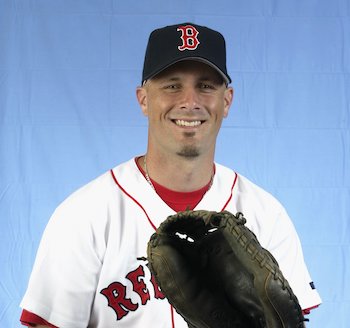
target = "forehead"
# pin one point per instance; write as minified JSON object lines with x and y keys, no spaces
{"x":194,"y":68}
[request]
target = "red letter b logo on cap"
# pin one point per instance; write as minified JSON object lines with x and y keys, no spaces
{"x":188,"y":37}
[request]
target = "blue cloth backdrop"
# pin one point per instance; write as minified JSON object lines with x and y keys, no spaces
{"x":68,"y":112}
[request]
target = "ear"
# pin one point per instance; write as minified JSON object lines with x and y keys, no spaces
{"x":141,"y":95}
{"x":228,"y":98}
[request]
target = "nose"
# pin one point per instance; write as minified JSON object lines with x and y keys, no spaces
{"x":190,"y":99}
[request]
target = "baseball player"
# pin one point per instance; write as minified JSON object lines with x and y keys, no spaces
{"x":90,"y":269}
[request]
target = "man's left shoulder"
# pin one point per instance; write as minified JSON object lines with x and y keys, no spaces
{"x":244,"y":187}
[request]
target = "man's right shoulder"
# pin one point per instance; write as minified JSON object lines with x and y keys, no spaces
{"x":98,"y":189}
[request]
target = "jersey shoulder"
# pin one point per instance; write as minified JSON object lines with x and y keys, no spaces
{"x":247,"y":192}
{"x":97,"y":193}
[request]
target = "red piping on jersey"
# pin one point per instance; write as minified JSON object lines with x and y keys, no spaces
{"x":132,"y":198}
{"x":172,"y":316}
{"x":229,"y":199}
{"x":153,"y":226}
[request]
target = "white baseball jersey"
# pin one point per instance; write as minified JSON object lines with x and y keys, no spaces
{"x":87,"y":272}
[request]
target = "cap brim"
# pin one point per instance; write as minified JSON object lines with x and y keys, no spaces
{"x":226,"y":78}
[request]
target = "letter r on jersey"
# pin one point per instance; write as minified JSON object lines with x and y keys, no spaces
{"x":189,"y":37}
{"x":117,"y":300}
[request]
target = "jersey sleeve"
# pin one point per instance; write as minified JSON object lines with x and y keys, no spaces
{"x":285,"y":245}
{"x":63,"y":281}
{"x":268,"y":219}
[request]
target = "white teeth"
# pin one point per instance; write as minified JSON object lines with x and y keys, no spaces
{"x":187,"y":123}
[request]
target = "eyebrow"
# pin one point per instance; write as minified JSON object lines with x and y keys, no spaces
{"x":202,"y":78}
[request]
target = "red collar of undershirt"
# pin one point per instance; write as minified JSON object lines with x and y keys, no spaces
{"x":177,"y":200}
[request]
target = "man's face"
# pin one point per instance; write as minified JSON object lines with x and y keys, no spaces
{"x":185,"y":105}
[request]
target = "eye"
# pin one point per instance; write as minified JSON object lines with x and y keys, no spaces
{"x":207,"y":86}
{"x":172,"y":86}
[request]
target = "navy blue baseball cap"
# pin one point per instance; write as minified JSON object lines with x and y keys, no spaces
{"x":171,"y":44}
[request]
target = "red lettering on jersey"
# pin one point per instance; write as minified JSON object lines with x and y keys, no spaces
{"x":189,"y":37}
{"x":116,"y":296}
{"x":138,"y":284}
{"x":157,"y":292}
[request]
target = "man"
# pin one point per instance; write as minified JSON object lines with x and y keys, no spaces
{"x":88,"y":271}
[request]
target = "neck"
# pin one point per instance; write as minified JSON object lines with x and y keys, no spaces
{"x":179,"y":174}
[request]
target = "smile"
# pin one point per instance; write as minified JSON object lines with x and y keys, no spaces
{"x":187,"y":123}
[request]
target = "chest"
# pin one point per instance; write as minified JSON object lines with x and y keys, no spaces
{"x":127,"y":294}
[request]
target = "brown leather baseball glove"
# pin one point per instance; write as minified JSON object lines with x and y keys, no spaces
{"x":215,"y":273}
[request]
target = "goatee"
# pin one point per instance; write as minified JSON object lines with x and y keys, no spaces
{"x":189,"y":152}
